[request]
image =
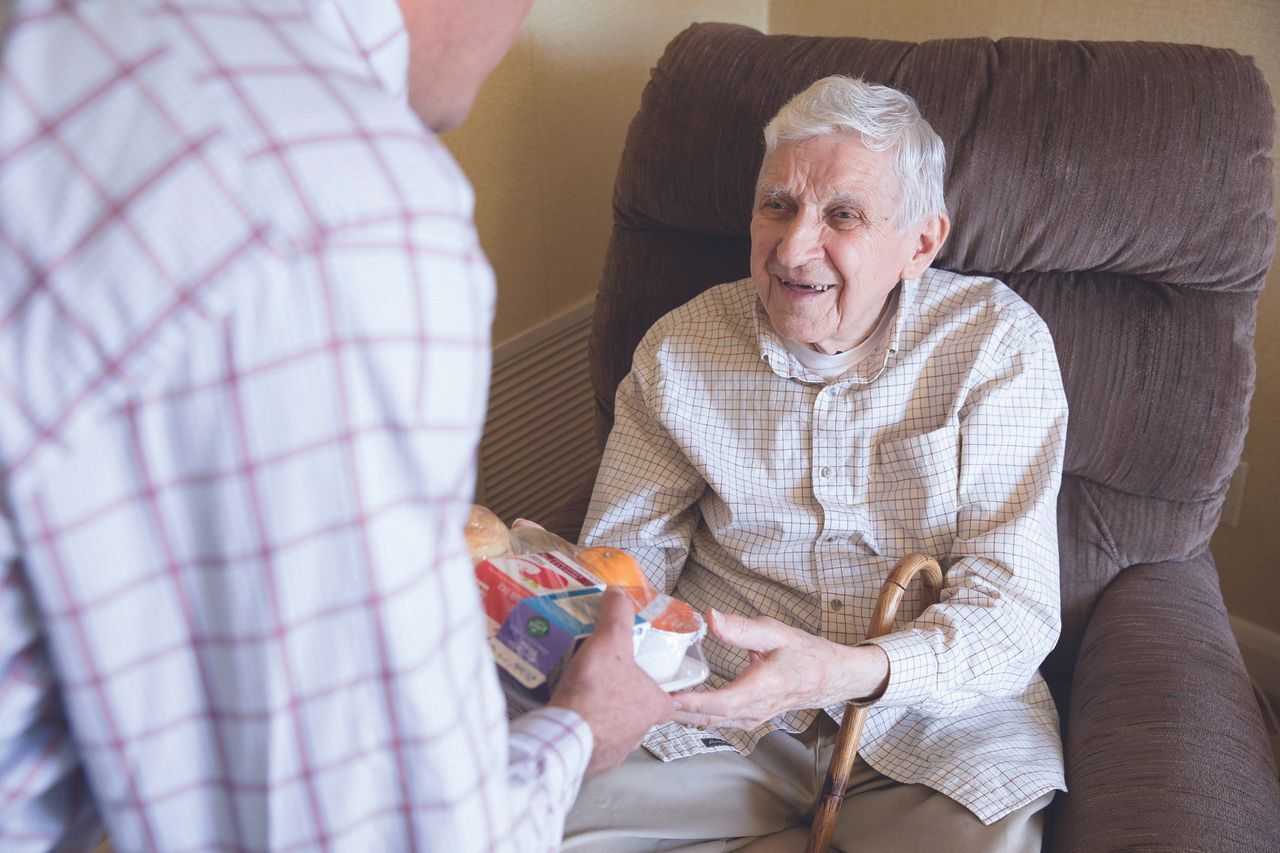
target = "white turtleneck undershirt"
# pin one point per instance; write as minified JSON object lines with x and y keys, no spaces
{"x":832,"y":367}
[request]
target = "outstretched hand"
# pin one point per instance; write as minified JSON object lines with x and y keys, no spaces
{"x":787,"y":669}
{"x":607,"y":688}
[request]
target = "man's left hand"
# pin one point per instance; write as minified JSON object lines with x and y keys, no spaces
{"x":788,"y":669}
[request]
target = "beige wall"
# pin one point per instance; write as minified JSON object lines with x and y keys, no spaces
{"x":543,"y":143}
{"x":544,"y":140}
{"x":1248,"y":555}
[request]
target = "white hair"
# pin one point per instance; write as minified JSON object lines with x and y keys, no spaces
{"x":885,"y":120}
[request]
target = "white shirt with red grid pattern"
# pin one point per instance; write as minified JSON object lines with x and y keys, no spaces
{"x":743,"y":481}
{"x":244,"y":352}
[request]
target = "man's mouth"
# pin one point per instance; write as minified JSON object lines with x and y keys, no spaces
{"x":804,"y":287}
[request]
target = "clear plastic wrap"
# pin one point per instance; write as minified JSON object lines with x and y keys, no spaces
{"x":534,"y":562}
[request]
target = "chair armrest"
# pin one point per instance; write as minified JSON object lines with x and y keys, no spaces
{"x":1164,"y":740}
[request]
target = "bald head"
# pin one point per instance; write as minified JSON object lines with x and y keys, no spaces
{"x":453,"y":47}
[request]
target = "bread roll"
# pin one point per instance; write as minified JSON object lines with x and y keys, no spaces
{"x":487,"y":536}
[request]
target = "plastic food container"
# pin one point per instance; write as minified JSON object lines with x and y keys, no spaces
{"x":673,"y":660}
{"x":541,"y":596}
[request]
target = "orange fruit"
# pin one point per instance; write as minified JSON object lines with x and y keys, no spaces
{"x":614,"y":567}
{"x":618,"y":568}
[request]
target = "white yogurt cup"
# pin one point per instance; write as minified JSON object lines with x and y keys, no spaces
{"x":661,"y":653}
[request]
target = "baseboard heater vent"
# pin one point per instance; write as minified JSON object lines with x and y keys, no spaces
{"x":539,"y":450}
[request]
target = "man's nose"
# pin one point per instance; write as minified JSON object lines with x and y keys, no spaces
{"x":801,"y":242}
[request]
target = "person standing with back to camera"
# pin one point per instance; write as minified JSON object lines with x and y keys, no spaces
{"x":244,"y":350}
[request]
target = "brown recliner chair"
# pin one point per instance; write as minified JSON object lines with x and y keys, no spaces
{"x":1124,"y":190}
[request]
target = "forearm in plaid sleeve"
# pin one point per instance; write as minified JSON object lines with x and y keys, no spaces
{"x":1000,"y":609}
{"x":646,"y":490}
{"x":548,"y":753}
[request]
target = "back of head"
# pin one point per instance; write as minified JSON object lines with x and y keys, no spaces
{"x":885,"y":120}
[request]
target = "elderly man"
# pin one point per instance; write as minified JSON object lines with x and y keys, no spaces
{"x":780,"y":443}
{"x":244,"y":349}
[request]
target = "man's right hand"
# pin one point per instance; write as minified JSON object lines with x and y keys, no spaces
{"x":604,"y":685}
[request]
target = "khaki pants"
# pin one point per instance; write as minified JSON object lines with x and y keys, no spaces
{"x":724,"y":801}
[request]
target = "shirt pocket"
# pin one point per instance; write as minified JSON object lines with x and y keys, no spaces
{"x":915,"y":492}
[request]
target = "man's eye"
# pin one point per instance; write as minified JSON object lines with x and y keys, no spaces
{"x":772,"y":204}
{"x":846,"y":218}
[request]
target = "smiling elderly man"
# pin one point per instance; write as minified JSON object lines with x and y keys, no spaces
{"x":780,"y":443}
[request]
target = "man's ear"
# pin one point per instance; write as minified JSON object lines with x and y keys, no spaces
{"x":928,"y":238}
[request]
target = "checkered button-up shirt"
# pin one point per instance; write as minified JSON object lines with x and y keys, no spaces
{"x":244,"y":331}
{"x":746,"y":483}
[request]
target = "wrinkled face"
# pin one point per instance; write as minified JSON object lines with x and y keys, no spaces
{"x":453,"y":45}
{"x":825,"y":250}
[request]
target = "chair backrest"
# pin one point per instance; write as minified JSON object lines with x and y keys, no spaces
{"x":1123,"y":189}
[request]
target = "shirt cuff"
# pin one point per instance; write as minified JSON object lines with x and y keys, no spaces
{"x":558,"y":742}
{"x":913,"y":670}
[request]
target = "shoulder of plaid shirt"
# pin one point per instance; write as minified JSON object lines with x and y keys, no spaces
{"x":244,"y":331}
{"x":745,"y":483}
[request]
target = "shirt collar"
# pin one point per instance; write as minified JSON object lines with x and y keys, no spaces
{"x":774,"y":352}
{"x":906,"y":308}
{"x":375,"y":30}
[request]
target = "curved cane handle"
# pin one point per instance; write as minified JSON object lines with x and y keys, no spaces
{"x":824,"y":816}
{"x":896,"y":587}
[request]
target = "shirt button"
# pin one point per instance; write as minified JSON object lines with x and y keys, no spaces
{"x":830,"y":540}
{"x":825,"y":472}
{"x":836,"y":604}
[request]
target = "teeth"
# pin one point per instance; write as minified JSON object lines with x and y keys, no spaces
{"x":817,"y":288}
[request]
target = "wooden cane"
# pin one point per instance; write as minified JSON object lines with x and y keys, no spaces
{"x":824,"y":816}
